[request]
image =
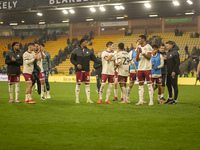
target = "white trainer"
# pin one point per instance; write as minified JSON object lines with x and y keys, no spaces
{"x":77,"y":102}
{"x":48,"y":95}
{"x":89,"y":101}
{"x":42,"y":98}
{"x":150,"y":104}
{"x":139,"y":103}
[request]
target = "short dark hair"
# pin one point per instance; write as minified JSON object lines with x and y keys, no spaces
{"x":42,"y":45}
{"x":121,"y":46}
{"x":82,"y":40}
{"x":143,"y":37}
{"x":31,"y":44}
{"x":14,"y":43}
{"x":162,"y":44}
{"x":155,"y":46}
{"x":109,"y":44}
{"x":170,"y":42}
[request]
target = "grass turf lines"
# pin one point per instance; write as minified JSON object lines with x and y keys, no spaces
{"x":59,"y":123}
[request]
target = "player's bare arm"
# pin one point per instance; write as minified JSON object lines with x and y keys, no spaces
{"x":108,"y":57}
{"x":138,"y":53}
{"x":147,"y":56}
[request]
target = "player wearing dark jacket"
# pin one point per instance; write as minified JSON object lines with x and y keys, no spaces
{"x":98,"y":70}
{"x":173,"y":62}
{"x":80,"y":58}
{"x":14,"y":60}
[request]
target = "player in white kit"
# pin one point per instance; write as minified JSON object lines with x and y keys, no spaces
{"x":143,"y":55}
{"x":40,"y":52}
{"x":108,"y":63}
{"x":123,"y":70}
{"x":28,"y":62}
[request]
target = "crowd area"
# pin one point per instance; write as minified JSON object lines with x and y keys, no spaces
{"x":64,"y":54}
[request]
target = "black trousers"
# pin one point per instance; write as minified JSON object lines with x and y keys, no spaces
{"x":172,"y":82}
{"x":98,"y":77}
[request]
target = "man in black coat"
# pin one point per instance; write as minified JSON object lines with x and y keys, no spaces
{"x":14,"y":60}
{"x":98,"y":70}
{"x":173,"y":62}
{"x":80,"y":58}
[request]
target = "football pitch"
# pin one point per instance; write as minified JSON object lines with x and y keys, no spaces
{"x":59,"y":123}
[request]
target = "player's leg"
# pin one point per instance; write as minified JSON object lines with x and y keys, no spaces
{"x":36,"y":86}
{"x":46,"y":75}
{"x":42,"y":97}
{"x":163,"y":87}
{"x":115,"y":88}
{"x":10,"y":88}
{"x":103,"y":84}
{"x":169,"y":87}
{"x":41,"y":77}
{"x":98,"y":77}
{"x":141,"y":79}
{"x":28,"y":93}
{"x":77,"y":90}
{"x":110,"y":84}
{"x":159,"y":83}
{"x":128,"y":89}
{"x":148,"y":77}
{"x":175,"y":87}
{"x":17,"y":89}
{"x":86,"y":79}
{"x":79,"y":79}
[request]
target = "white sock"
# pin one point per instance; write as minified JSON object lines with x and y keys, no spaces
{"x":42,"y":91}
{"x":128,"y":90}
{"x":116,"y":92}
{"x":26,"y":97}
{"x":36,"y":86}
{"x":141,"y":93}
{"x":16,"y":90}
{"x":108,"y":91}
{"x":101,"y":90}
{"x":150,"y":92}
{"x":10,"y":87}
{"x":162,"y":95}
{"x":159,"y":96}
{"x":77,"y":90}
{"x":32,"y":92}
{"x":123,"y":92}
{"x":29,"y":96}
{"x":87,"y":90}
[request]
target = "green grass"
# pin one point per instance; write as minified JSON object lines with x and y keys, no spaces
{"x":59,"y":123}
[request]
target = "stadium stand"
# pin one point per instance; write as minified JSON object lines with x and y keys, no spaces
{"x":99,"y":43}
{"x":4,"y":41}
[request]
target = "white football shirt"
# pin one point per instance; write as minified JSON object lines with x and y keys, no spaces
{"x":108,"y":67}
{"x":124,"y":58}
{"x":28,"y":59}
{"x":39,"y":63}
{"x":144,"y":63}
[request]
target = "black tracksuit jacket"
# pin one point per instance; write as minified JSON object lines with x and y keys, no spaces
{"x":83,"y":58}
{"x":173,"y":60}
{"x":13,"y":67}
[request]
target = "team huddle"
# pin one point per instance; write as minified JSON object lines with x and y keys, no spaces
{"x":144,"y":62}
{"x":36,"y":66}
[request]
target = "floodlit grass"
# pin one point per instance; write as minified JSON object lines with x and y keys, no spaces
{"x":59,"y":123}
